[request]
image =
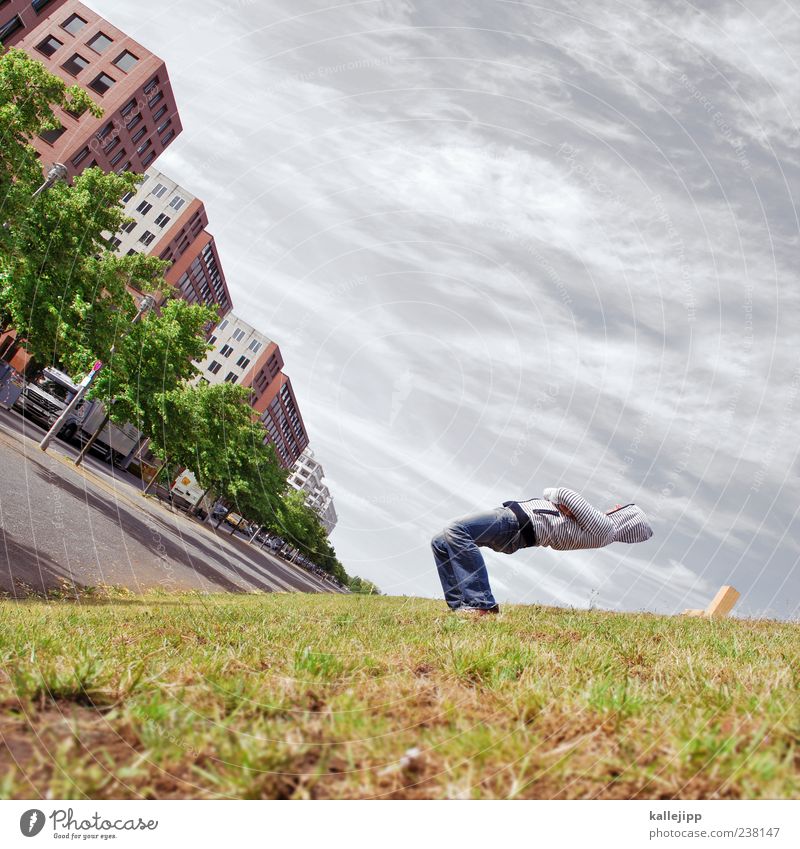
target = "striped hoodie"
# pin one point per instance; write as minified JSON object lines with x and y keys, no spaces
{"x":542,"y":524}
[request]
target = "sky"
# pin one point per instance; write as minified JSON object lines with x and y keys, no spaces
{"x":506,"y":246}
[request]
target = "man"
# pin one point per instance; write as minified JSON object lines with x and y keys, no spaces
{"x":562,"y":520}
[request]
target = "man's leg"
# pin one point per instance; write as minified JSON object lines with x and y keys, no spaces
{"x":461,"y":566}
{"x":441,"y":554}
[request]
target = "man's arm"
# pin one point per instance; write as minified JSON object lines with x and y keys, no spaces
{"x":587,"y":517}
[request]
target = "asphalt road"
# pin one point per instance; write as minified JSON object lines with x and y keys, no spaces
{"x":93,"y":527}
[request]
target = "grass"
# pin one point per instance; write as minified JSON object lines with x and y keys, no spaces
{"x":323,"y":696}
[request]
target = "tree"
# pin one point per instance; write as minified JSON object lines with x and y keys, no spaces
{"x":210,"y":430}
{"x":152,"y":358}
{"x":300,"y":526}
{"x":362,"y":586}
{"x":28,"y":93}
{"x":60,"y":287}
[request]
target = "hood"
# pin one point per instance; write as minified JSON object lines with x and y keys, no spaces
{"x":630,"y":524}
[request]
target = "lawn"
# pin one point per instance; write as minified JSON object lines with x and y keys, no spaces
{"x":330,"y":696}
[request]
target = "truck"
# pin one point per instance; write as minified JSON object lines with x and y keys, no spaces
{"x":187,"y":489}
{"x":44,"y":398}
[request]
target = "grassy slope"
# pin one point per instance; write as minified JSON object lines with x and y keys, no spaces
{"x":323,"y":696}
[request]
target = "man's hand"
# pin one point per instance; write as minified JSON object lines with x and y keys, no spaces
{"x":565,"y":511}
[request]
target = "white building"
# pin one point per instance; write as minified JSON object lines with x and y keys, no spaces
{"x":308,"y":476}
{"x":237,"y":347}
{"x":154,"y":207}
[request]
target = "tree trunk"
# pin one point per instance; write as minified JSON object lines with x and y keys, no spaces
{"x":155,"y":477}
{"x":92,"y":439}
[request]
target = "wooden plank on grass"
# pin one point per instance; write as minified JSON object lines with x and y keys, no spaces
{"x":722,"y":603}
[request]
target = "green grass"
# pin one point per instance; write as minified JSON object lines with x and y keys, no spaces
{"x":323,"y":696}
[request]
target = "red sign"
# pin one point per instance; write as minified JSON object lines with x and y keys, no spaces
{"x":97,"y":366}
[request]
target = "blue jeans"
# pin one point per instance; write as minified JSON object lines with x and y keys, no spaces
{"x":462,"y":570}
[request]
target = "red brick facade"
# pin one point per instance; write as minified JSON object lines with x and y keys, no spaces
{"x":131,"y":84}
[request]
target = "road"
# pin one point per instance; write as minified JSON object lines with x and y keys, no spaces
{"x":92,"y":526}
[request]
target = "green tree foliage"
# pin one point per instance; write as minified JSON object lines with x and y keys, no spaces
{"x":28,"y":93}
{"x":362,"y":586}
{"x":210,"y":429}
{"x":61,"y":288}
{"x":300,"y":526}
{"x":152,"y":358}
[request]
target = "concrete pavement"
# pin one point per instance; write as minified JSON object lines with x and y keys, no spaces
{"x":92,"y":526}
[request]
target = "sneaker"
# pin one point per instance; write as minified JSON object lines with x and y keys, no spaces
{"x":477,"y":611}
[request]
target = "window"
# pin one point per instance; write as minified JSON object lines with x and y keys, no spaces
{"x":214,"y":367}
{"x":151,"y":85}
{"x":177,"y":202}
{"x":76,"y":112}
{"x":164,"y":126}
{"x":138,"y":134}
{"x":105,"y":131}
{"x":160,"y":112}
{"x":38,"y":5}
{"x":115,"y":243}
{"x":224,"y":324}
{"x":79,"y":157}
{"x":100,"y":42}
{"x":226,"y":350}
{"x":239,"y":334}
{"x":75,"y":64}
{"x":118,"y":156}
{"x":159,"y":191}
{"x":101,"y":83}
{"x":134,"y":121}
{"x":212,"y":340}
{"x":162,"y":220}
{"x":128,"y":196}
{"x":49,"y":45}
{"x":143,"y":148}
{"x":144,"y":207}
{"x":243,"y":362}
{"x":167,"y":138}
{"x":254,"y":346}
{"x":128,"y":108}
{"x":51,"y":136}
{"x":149,"y":158}
{"x":147,"y":238}
{"x":129,"y":227}
{"x":73,"y":24}
{"x":231,"y":378}
{"x":111,"y":145}
{"x":126,"y":60}
{"x":132,"y":252}
{"x":156,"y":98}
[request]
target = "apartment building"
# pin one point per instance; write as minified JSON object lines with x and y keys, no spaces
{"x":308,"y":477}
{"x":19,"y":17}
{"x":140,"y":118}
{"x":169,"y":222}
{"x":238,"y":347}
{"x":242,"y":355}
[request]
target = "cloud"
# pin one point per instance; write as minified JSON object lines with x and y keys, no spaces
{"x":507,"y":248}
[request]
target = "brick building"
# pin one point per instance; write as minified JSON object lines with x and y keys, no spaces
{"x":131,"y":84}
{"x":242,"y":355}
{"x":19,"y":17}
{"x":169,"y":222}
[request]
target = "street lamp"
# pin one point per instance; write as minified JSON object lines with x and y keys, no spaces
{"x":147,"y":303}
{"x":56,"y":172}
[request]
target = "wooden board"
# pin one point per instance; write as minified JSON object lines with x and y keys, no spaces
{"x":723,"y":602}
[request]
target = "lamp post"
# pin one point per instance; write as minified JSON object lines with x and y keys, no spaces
{"x":145,"y":305}
{"x":55,"y":172}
